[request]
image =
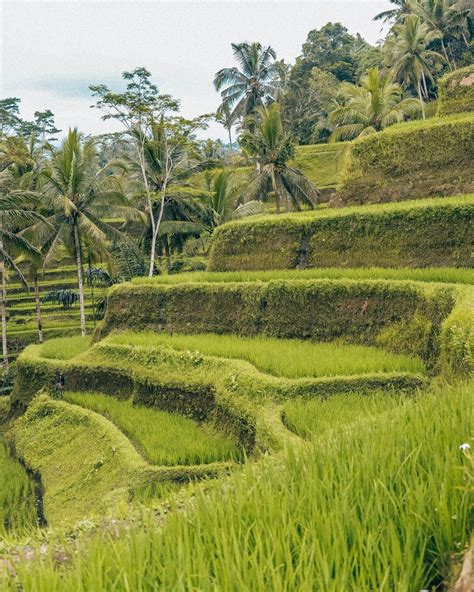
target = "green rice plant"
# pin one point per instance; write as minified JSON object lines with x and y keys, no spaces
{"x":436,"y":274}
{"x":17,"y":496}
{"x":291,"y":358}
{"x":381,"y":507}
{"x":163,"y":438}
{"x":312,"y":419}
{"x":65,"y":348}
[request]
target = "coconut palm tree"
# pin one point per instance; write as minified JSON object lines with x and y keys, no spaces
{"x":272,"y":148}
{"x":222,"y":199}
{"x":251,"y":85}
{"x":370,"y":107}
{"x":394,"y":14}
{"x":77,"y":196}
{"x":15,"y":211}
{"x":412,"y":61}
{"x":445,"y":18}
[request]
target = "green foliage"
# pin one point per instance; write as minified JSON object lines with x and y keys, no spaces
{"x":320,"y":310}
{"x":411,"y":160}
{"x":88,"y":467}
{"x":65,"y":348}
{"x":249,"y":87}
{"x":376,"y":103}
{"x":379,"y":506}
{"x":163,"y":438}
{"x":17,"y":496}
{"x":316,"y":419}
{"x":449,"y":275}
{"x":427,"y":233}
{"x":281,"y":357}
{"x":457,"y":337}
{"x":456,"y":92}
{"x":273,"y":147}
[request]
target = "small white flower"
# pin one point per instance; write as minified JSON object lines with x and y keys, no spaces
{"x":464,"y":447}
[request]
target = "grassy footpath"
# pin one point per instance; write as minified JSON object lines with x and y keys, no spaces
{"x":449,"y":275}
{"x":291,"y":358}
{"x":381,"y":507}
{"x":163,"y":438}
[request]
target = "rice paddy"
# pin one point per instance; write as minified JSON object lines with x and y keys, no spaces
{"x":17,"y":495}
{"x":65,"y":348}
{"x":311,"y":419}
{"x":163,"y":438}
{"x":291,"y":358}
{"x":439,"y":274}
{"x":378,"y":508}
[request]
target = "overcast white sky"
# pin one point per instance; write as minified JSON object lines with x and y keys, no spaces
{"x":52,"y":51}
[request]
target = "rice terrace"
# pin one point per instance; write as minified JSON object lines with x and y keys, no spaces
{"x":237,"y":296}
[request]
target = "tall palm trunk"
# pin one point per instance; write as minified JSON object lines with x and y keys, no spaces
{"x":155,"y":231}
{"x":446,"y":54}
{"x":80,"y":278}
{"x":38,"y":308}
{"x":4,"y":313}
{"x":420,"y":96}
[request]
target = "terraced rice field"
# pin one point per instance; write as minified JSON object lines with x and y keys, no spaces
{"x":17,"y":496}
{"x":162,"y":438}
{"x":291,"y":358}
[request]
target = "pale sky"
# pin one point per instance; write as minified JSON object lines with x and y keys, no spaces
{"x":52,"y":51}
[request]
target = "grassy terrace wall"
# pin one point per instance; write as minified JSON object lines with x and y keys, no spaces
{"x":425,"y":233}
{"x":356,"y":311}
{"x":456,"y":92}
{"x":87,"y":465}
{"x":411,"y":160}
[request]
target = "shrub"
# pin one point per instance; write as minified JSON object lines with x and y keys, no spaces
{"x":456,"y":91}
{"x":427,"y":233}
{"x":411,"y":160}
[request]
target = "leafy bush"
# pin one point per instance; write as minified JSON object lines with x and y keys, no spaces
{"x":407,"y":161}
{"x":456,"y":91}
{"x":427,"y":233}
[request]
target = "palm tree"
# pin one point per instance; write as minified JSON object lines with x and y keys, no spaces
{"x":370,"y":107}
{"x":445,"y":18}
{"x":222,"y":199}
{"x":15,"y":212}
{"x":272,"y":148}
{"x":411,"y":59}
{"x":251,"y":86}
{"x":77,"y":196}
{"x":394,"y":14}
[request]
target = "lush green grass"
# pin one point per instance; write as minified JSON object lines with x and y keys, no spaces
{"x":65,"y":348}
{"x":17,"y":495}
{"x":292,"y":358}
{"x":440,"y":274}
{"x":163,"y":438}
{"x":315,"y":418}
{"x":381,"y":507}
{"x":401,"y":206}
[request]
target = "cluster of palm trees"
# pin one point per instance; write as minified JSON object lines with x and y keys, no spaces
{"x":417,"y":49}
{"x":57,"y":200}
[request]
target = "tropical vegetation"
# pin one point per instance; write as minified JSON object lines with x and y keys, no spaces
{"x":240,"y":366}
